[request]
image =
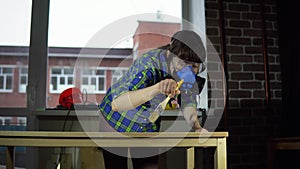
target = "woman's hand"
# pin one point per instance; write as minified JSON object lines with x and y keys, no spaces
{"x":201,"y":130}
{"x":168,"y":87}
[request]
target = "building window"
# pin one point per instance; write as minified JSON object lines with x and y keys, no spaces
{"x":23,"y":79}
{"x":93,"y":80}
{"x":22,"y":121}
{"x":61,"y":79}
{"x":117,"y":74}
{"x":6,"y":79}
{"x":5,"y":121}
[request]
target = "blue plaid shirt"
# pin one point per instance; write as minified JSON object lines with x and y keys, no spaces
{"x":146,"y":71}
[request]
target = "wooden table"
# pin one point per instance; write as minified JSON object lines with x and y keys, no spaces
{"x":189,"y":140}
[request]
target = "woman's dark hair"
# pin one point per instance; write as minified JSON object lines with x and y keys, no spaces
{"x":188,"y":46}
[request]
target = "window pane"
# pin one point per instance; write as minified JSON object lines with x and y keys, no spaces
{"x":54,"y":83}
{"x":85,"y":81}
{"x":23,"y":73}
{"x":68,"y":71}
{"x":56,"y":71}
{"x":1,"y":82}
{"x":65,"y":21}
{"x":7,"y":70}
{"x":100,"y":72}
{"x":23,"y":80}
{"x":101,"y":84}
{"x":9,"y":82}
{"x":14,"y":50}
{"x":93,"y":81}
{"x":70,"y":80}
{"x":62,"y":80}
{"x":24,"y":70}
{"x":87,"y":72}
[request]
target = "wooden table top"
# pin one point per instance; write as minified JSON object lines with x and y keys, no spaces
{"x":58,"y":134}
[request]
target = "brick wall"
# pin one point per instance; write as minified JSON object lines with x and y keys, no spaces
{"x":251,"y":117}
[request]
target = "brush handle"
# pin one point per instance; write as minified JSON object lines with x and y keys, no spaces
{"x":177,"y":88}
{"x":179,"y":84}
{"x":161,"y":107}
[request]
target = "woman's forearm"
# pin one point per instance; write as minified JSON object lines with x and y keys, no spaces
{"x":191,"y":116}
{"x":132,"y":99}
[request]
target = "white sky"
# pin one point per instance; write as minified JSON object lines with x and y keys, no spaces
{"x":73,"y":23}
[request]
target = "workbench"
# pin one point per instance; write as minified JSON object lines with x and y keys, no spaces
{"x":188,"y":140}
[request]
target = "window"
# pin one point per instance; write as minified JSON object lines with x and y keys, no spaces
{"x":61,"y":79}
{"x":117,"y":74}
{"x":14,"y":42}
{"x":23,"y":79}
{"x":22,"y":121}
{"x":6,"y":79}
{"x":94,"y":80}
{"x":5,"y":121}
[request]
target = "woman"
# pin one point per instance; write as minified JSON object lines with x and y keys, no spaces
{"x":131,"y":100}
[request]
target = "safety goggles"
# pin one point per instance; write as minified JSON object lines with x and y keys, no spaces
{"x":179,"y":63}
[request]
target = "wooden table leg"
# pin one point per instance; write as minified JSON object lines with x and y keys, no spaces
{"x":220,"y":154}
{"x":10,"y":157}
{"x":91,"y":158}
{"x":190,"y":154}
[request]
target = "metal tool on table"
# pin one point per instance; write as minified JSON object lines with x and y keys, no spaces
{"x":161,"y":107}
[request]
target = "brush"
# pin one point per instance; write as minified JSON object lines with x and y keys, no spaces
{"x":161,"y":107}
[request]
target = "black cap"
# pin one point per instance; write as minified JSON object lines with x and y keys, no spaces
{"x":188,"y":46}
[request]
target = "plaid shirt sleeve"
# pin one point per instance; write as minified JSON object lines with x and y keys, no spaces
{"x":188,"y":98}
{"x":141,"y":74}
